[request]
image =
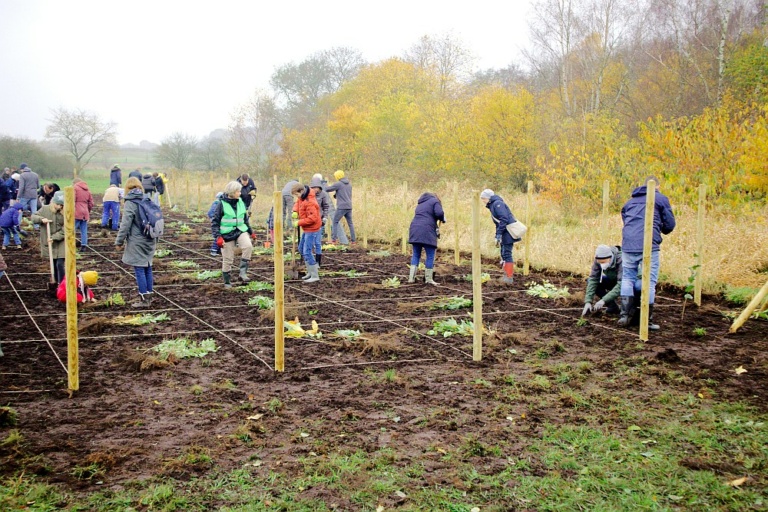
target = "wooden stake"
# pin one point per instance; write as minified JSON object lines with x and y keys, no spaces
{"x":756,"y":300}
{"x":228,"y":180}
{"x":404,"y":247}
{"x":604,"y":219}
{"x":456,"y":251}
{"x":274,"y":181}
{"x":365,"y":215}
{"x":186,"y":195}
{"x":527,"y":256}
{"x":650,"y":210}
{"x":199,"y":201}
{"x":168,"y":187}
{"x":477,"y":281}
{"x":70,"y":269}
{"x":277,"y":205}
{"x":697,"y":283}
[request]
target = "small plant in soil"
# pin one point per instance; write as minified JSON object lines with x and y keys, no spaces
{"x":390,"y":375}
{"x":345,"y":273}
{"x":262,"y":302}
{"x":256,"y":286}
{"x":183,"y":229}
{"x":162,"y":253}
{"x":547,"y":290}
{"x":348,"y":334}
{"x":143,"y":319}
{"x":8,"y":416}
{"x":196,"y":390}
{"x":184,"y":264}
{"x":329,"y":247}
{"x":451,"y":303}
{"x":450,"y":327}
{"x":699,"y":331}
{"x":87,"y":472}
{"x":116,"y":299}
{"x":581,"y":322}
{"x":484,"y":277}
{"x":199,"y":220}
{"x":274,"y":405}
{"x":380,"y":254}
{"x":14,"y":438}
{"x":392,"y":282}
{"x":181,"y":348}
{"x":205,"y":275}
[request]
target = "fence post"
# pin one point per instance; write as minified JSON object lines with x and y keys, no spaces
{"x":604,"y":220}
{"x":70,"y":268}
{"x":697,"y":283}
{"x":756,"y":300}
{"x":277,"y":205}
{"x":527,"y":256}
{"x":186,"y":195}
{"x":405,"y":211}
{"x":650,"y":207}
{"x":365,"y":215}
{"x":477,"y":281}
{"x":456,"y":252}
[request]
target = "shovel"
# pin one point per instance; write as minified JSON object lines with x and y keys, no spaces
{"x":293,"y":273}
{"x":52,"y":284}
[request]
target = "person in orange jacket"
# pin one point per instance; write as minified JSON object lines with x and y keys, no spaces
{"x":306,"y":215}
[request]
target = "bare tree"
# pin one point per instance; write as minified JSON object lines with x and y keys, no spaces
{"x":83,"y":134}
{"x":211,"y":154}
{"x":445,"y":56}
{"x":254,"y":133}
{"x":176,"y":150}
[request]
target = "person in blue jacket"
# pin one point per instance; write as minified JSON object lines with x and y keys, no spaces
{"x":423,"y":235}
{"x":116,"y":176}
{"x":502,"y":217}
{"x":6,"y":189}
{"x":215,"y":249}
{"x":10,"y":221}
{"x":633,"y":216}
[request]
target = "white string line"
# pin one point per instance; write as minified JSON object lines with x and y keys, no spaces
{"x":307,"y":292}
{"x":37,"y":326}
{"x":192,"y":315}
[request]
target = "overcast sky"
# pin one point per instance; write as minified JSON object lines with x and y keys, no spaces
{"x":161,"y":66}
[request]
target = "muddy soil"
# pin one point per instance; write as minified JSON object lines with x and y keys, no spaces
{"x":137,"y":416}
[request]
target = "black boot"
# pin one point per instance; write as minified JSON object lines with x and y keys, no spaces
{"x":319,"y":258}
{"x":244,"y":271}
{"x":652,"y":326}
{"x":227,"y":281}
{"x":627,"y":310}
{"x":612,"y":308}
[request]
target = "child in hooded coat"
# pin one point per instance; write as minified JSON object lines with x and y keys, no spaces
{"x":84,"y":282}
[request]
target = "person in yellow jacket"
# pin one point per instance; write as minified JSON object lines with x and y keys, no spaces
{"x":229,"y":226}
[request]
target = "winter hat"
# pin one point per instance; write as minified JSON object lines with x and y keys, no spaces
{"x":23,"y":166}
{"x":486,"y":194}
{"x":15,"y":176}
{"x":115,"y":167}
{"x":338,"y":175}
{"x":90,"y":277}
{"x":316,"y":181}
{"x":318,"y":176}
{"x":602,"y":252}
{"x":58,"y":197}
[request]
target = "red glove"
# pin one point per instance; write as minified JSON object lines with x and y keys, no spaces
{"x":220,"y":241}
{"x":253,"y":236}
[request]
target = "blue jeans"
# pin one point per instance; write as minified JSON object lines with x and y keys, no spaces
{"x":344,"y":213}
{"x":111,"y":209}
{"x":82,"y":225}
{"x":144,"y":279}
{"x":310,"y":241}
{"x":630,"y":279}
{"x":429,"y":250}
{"x":29,"y":204}
{"x":506,"y":253}
{"x":7,"y":232}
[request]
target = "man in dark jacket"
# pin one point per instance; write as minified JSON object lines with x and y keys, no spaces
{"x":6,"y":189}
{"x":159,"y":188}
{"x":633,"y":216}
{"x":287,"y":203}
{"x":116,"y":176}
{"x":45,"y":194}
{"x":502,"y":217}
{"x":604,"y":281}
{"x":343,"y":193}
{"x":423,"y":234}
{"x":247,"y":192}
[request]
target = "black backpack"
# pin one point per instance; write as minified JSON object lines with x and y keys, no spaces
{"x":150,"y":218}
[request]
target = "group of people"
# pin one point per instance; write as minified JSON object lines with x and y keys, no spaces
{"x":153,"y":183}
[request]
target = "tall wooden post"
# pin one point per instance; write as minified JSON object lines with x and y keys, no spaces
{"x":477,"y":280}
{"x":404,"y":247}
{"x":70,"y":268}
{"x":756,"y":300}
{"x":171,"y":182}
{"x":697,"y":283}
{"x":227,"y":175}
{"x":365,"y":215}
{"x":199,"y":198}
{"x":650,"y":207}
{"x":274,"y":182}
{"x":455,"y":217}
{"x":527,"y":256}
{"x":277,"y":205}
{"x":604,"y":219}
{"x":210,"y":177}
{"x":186,"y":195}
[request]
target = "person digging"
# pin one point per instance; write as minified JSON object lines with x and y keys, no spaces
{"x":604,"y":281}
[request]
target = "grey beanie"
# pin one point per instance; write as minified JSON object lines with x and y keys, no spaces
{"x":316,"y":182}
{"x":603,"y":251}
{"x":58,"y":197}
{"x":486,"y":194}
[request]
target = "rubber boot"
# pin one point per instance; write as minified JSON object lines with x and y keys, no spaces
{"x":627,"y":310}
{"x":148,"y":298}
{"x":318,"y":258}
{"x":652,"y":326}
{"x":244,"y":271}
{"x":509,"y":273}
{"x":428,"y":273}
{"x":313,"y":273}
{"x":227,"y":280}
{"x":307,"y":274}
{"x":142,"y":303}
{"x":412,"y":274}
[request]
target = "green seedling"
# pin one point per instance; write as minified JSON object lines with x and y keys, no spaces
{"x":450,"y":327}
{"x":547,"y":290}
{"x":116,"y":299}
{"x":182,"y":348}
{"x":581,"y":322}
{"x":349,"y":334}
{"x":143,"y":319}
{"x":205,"y":275}
{"x":392,"y":282}
{"x":700,"y":331}
{"x":162,"y":253}
{"x":451,"y":303}
{"x":184,"y":264}
{"x":256,"y":286}
{"x":484,"y":277}
{"x":345,"y":273}
{"x":262,"y":302}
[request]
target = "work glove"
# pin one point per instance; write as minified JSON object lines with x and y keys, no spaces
{"x":498,"y":241}
{"x":599,"y":305}
{"x":253,"y":236}
{"x":252,"y":193}
{"x":295,"y":223}
{"x":220,"y":241}
{"x":295,"y":215}
{"x":587,"y":309}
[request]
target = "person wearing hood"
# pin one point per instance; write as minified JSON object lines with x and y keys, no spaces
{"x":324,"y":201}
{"x":13,"y":186}
{"x":111,"y":208}
{"x":6,"y":190}
{"x":248,"y":191}
{"x":116,"y":176}
{"x":83,"y":207}
{"x":604,"y":281}
{"x":424,"y":233}
{"x":287,"y":204}
{"x":52,"y":216}
{"x":633,"y":217}
{"x":85,"y":280}
{"x":29,"y":182}
{"x":136,"y":173}
{"x":343,"y":192}
{"x":230,"y":226}
{"x":502,"y":217}
{"x":306,"y":215}
{"x":215,"y":249}
{"x":10,"y":220}
{"x":139,"y":248}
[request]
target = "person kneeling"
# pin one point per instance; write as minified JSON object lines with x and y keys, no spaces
{"x":84,"y":282}
{"x":604,"y":281}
